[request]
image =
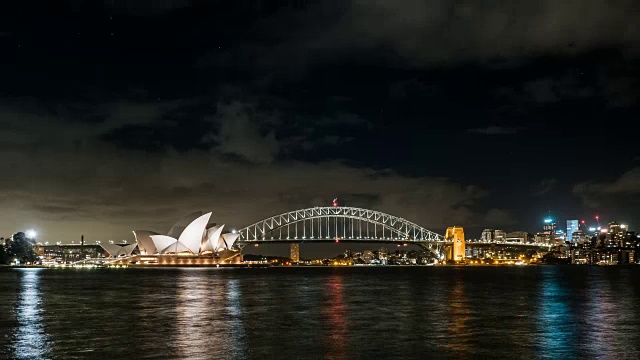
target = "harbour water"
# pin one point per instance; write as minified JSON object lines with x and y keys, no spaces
{"x":547,"y":312}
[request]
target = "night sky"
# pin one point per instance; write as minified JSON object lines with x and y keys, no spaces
{"x":121,"y":115}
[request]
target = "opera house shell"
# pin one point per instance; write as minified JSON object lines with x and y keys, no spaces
{"x":189,"y":241}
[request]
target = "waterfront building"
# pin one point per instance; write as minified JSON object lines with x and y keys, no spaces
{"x":68,"y":253}
{"x":189,"y":242}
{"x":499,"y":235}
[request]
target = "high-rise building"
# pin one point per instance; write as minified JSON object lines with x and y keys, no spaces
{"x":572,"y":226}
{"x":549,"y":229}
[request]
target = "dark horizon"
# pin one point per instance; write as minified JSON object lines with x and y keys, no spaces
{"x":118,"y":116}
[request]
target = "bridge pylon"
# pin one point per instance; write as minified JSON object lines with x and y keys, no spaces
{"x":456,"y":251}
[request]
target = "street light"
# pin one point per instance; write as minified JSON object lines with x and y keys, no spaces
{"x":31,"y":234}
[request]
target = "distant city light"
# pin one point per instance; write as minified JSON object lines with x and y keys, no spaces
{"x":548,"y":221}
{"x":31,"y":234}
{"x":592,"y":229}
{"x":603,"y":231}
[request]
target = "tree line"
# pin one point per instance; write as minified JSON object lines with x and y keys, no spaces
{"x":17,"y":247}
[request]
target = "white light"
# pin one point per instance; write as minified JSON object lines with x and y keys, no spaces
{"x":31,"y":234}
{"x":233,"y":231}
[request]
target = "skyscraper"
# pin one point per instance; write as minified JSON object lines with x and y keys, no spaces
{"x":549,"y":230}
{"x":572,"y":226}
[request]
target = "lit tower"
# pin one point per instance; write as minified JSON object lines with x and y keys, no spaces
{"x":549,"y":230}
{"x":455,"y":234}
{"x":294,"y":253}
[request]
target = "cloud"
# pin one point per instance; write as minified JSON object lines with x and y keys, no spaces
{"x":245,"y":132}
{"x":626,"y":186}
{"x":498,"y":218}
{"x":495,"y":130}
{"x":84,"y":185}
{"x":417,"y":33}
{"x":546,"y":185}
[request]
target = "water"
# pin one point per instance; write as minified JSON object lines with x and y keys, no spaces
{"x":528,"y":312}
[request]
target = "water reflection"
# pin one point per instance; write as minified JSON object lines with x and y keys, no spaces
{"x":555,"y":320}
{"x":30,"y":340}
{"x":459,"y":317}
{"x":196,"y":309}
{"x":335,"y":317}
{"x":235,"y":338}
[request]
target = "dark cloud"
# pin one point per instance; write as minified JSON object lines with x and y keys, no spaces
{"x":622,"y":189}
{"x":495,"y":130}
{"x":103,"y":190}
{"x":245,"y":132}
{"x":546,"y":185}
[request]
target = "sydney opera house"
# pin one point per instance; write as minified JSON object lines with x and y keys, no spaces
{"x":194,"y":241}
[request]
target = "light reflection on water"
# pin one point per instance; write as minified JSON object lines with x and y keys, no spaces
{"x":321,"y":313}
{"x":30,"y":341}
{"x":335,"y":314}
{"x":555,"y":321}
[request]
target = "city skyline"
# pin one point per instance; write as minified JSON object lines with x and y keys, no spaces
{"x":118,"y":116}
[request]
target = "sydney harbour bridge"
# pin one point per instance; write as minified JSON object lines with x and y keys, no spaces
{"x":202,"y":242}
{"x":351,"y":224}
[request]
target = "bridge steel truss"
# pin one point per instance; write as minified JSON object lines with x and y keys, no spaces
{"x":338,"y":223}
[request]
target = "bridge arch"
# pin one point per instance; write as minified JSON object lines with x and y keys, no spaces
{"x":336,"y":223}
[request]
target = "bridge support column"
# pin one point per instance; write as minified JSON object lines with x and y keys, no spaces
{"x":456,"y":253}
{"x":294,"y":253}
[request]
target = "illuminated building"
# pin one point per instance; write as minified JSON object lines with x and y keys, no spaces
{"x":572,"y":226}
{"x":294,"y":252}
{"x":67,"y":253}
{"x":521,"y":237}
{"x":189,"y":242}
{"x":499,"y":235}
{"x":541,"y":238}
{"x":549,"y":229}
{"x":456,"y":252}
{"x":578,"y":237}
{"x":487,"y":235}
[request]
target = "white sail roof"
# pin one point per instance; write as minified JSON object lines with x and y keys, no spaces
{"x":176,"y":247}
{"x":211,"y":237}
{"x":145,"y":244}
{"x":161,"y":242}
{"x":192,"y":235}
{"x":230,"y":239}
{"x":116,"y":250}
{"x":181,"y":224}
